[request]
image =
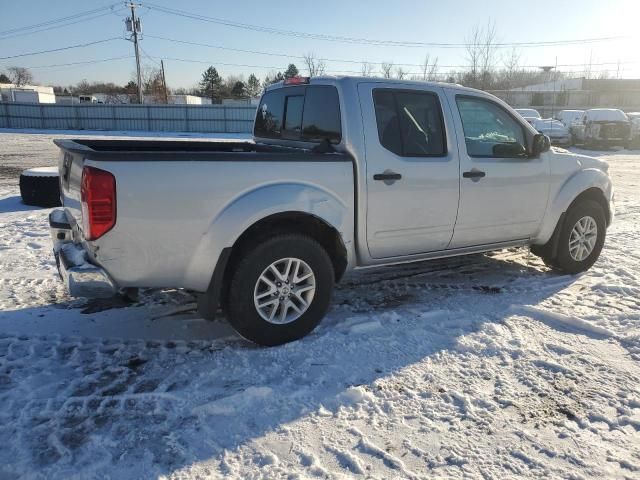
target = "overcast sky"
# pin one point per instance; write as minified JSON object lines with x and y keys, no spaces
{"x":399,"y":20}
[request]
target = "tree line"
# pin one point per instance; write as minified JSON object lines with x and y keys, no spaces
{"x":486,"y":68}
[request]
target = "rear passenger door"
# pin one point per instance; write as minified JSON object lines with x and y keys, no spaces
{"x":411,"y":169}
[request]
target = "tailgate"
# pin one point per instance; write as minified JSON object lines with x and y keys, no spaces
{"x":70,"y":164}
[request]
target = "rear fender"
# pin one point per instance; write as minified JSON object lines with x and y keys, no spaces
{"x":254,"y":205}
{"x":578,"y":183}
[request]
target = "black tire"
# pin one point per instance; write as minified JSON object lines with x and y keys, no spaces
{"x":40,"y":191}
{"x":563,"y":261}
{"x":240,"y":308}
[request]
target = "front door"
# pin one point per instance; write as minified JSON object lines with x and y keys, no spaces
{"x":411,"y":169}
{"x":503,"y":192}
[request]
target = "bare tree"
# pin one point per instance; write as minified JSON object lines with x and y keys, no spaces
{"x":386,"y":69}
{"x":153,"y":85}
{"x":400,"y":73}
{"x":20,"y":76}
{"x":429,"y":70}
{"x":481,"y":51}
{"x":511,"y":68}
{"x":315,"y":65}
{"x":366,"y":69}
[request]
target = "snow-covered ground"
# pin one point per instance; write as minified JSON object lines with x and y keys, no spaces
{"x":489,"y":366}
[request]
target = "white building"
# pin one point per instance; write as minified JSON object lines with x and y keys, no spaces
{"x":241,"y":102}
{"x":26,"y":93}
{"x":178,"y":100}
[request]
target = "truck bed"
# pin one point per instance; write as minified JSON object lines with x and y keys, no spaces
{"x":180,"y":203}
{"x":173,"y":150}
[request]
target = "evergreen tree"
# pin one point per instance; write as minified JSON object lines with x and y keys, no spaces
{"x":4,"y":78}
{"x":253,"y":86}
{"x":277,"y":77}
{"x":131,"y":87}
{"x":211,"y":84}
{"x":239,"y":90}
{"x":292,"y":71}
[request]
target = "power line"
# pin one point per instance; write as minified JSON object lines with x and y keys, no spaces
{"x":57,"y":20}
{"x":301,"y":57}
{"x":86,"y":62}
{"x":366,"y":41}
{"x":79,"y":45}
{"x":328,"y":71}
{"x":144,"y":52}
{"x":53,"y":27}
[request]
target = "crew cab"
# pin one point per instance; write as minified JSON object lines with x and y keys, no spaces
{"x":342,"y":173}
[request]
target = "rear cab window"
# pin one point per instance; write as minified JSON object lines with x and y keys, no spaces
{"x":309,"y":113}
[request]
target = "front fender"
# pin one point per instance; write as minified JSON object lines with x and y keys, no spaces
{"x":578,"y":183}
{"x":252,"y":206}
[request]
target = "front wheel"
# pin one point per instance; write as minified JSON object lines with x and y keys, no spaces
{"x":280,"y":290}
{"x":581,"y":238}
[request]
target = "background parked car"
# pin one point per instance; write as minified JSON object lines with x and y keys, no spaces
{"x":634,"y":118}
{"x":529,"y":114}
{"x":554,"y":129}
{"x":569,"y":117}
{"x":602,"y":127}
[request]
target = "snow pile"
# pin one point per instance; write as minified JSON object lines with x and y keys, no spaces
{"x":489,"y":366}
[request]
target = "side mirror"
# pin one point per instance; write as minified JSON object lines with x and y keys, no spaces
{"x":541,"y":144}
{"x":508,"y":150}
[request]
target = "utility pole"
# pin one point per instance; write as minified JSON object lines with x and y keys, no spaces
{"x":164,"y":83}
{"x":133,"y":26}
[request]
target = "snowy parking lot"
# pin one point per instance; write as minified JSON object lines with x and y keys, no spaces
{"x":487,"y":366}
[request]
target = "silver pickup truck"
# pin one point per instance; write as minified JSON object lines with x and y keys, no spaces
{"x":343,"y":173}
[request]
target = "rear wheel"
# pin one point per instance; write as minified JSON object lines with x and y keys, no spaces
{"x":280,"y":290}
{"x":580,"y":241}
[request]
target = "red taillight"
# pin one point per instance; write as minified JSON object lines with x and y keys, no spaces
{"x":98,"y":194}
{"x":296,"y":80}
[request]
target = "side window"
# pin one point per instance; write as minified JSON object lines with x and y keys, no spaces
{"x":310,"y":114}
{"x":270,"y":115}
{"x":410,"y":122}
{"x":321,"y":115}
{"x":387,"y":120}
{"x":486,"y":124}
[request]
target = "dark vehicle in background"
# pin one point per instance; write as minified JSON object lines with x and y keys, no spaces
{"x":602,"y":127}
{"x":555,"y":130}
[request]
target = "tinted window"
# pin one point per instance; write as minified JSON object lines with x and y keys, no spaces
{"x":309,"y":114}
{"x":410,"y":122}
{"x":387,"y":120}
{"x":321,"y":114}
{"x":270,"y":115}
{"x":487,"y":124}
{"x":293,"y":116}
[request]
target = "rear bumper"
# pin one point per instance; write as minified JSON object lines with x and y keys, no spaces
{"x":81,"y":277}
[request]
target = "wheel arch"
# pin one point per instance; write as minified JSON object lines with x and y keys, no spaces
{"x":303,"y":223}
{"x":298,"y":222}
{"x":589,"y":183}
